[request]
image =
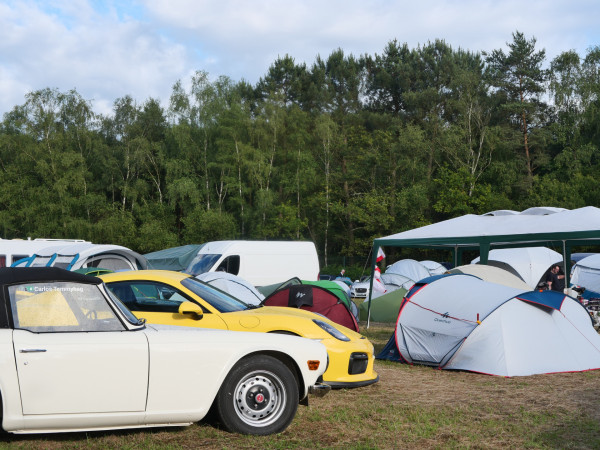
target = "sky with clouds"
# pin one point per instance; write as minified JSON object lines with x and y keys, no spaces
{"x":108,"y":49}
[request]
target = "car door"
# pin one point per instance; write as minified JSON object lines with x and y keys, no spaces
{"x":159,"y":303}
{"x":73,"y":354}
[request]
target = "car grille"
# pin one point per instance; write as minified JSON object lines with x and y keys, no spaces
{"x":358,"y":363}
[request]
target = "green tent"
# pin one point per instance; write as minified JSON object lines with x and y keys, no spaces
{"x":334,"y":288}
{"x":270,"y":288}
{"x":175,"y":258}
{"x":331,"y":286}
{"x":384,"y":308}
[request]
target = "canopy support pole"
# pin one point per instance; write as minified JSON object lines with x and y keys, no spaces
{"x":373,"y":262}
{"x":484,"y":251}
{"x":567,"y":263}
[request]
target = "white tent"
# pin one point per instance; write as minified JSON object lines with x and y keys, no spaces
{"x":492,"y":274}
{"x":434,"y":268}
{"x":393,"y":281}
{"x":529,"y":263}
{"x":501,"y":212}
{"x":462,"y":322}
{"x":233,"y":285}
{"x":586,"y":273}
{"x":409,"y":268}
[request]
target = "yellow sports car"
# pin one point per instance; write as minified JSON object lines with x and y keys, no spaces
{"x":174,"y":298}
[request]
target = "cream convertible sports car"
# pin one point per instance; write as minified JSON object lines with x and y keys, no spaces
{"x":74,"y":358}
{"x":174,"y":298}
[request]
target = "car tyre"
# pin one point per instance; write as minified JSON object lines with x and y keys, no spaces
{"x":259,"y":396}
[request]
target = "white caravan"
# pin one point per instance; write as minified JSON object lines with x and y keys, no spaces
{"x":259,"y":262}
{"x":84,"y":254}
{"x":13,"y":250}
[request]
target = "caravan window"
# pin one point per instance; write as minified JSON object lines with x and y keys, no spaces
{"x":202,"y":263}
{"x":110,"y":262}
{"x":2,"y":260}
{"x":16,"y":258}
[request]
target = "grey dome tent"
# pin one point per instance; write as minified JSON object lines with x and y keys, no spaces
{"x":409,"y":268}
{"x":233,"y":285}
{"x":433,"y":267}
{"x":464,"y":323}
{"x":586,"y":273}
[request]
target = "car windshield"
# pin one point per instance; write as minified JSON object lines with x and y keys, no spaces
{"x":202,"y":263}
{"x":219,"y":300}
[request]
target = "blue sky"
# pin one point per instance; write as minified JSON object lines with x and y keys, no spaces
{"x":108,"y":49}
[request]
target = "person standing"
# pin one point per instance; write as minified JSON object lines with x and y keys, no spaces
{"x":555,"y":280}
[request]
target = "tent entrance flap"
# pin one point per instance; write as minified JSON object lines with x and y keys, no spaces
{"x":426,"y":347}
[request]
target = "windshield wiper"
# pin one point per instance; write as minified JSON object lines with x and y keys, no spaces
{"x":253,"y":306}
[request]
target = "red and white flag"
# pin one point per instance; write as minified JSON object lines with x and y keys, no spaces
{"x":380,"y":254}
{"x":377,"y":283}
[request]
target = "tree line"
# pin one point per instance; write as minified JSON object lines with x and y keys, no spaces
{"x":339,"y":152}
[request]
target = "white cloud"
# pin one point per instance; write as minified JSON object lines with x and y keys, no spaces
{"x":112,"y":48}
{"x":100,"y":56}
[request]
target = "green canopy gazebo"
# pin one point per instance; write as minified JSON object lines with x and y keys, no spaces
{"x":550,"y":227}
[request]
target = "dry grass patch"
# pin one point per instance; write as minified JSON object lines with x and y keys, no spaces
{"x":410,"y":407}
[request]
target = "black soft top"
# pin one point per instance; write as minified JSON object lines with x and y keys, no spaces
{"x":16,"y":275}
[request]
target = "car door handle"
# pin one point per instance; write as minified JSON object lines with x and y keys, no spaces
{"x":33,"y":350}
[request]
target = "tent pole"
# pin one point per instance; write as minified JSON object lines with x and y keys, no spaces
{"x":373,"y":262}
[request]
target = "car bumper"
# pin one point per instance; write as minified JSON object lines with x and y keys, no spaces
{"x":354,"y":384}
{"x":319,"y":389}
{"x":350,"y":363}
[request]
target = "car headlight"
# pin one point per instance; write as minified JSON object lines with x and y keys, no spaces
{"x":332,"y":330}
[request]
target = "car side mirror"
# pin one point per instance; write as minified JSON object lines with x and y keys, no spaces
{"x":192,"y":309}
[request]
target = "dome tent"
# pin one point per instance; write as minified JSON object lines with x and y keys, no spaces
{"x":462,"y":322}
{"x":492,"y":274}
{"x":434,"y":267}
{"x":409,"y":268}
{"x":385,"y":307}
{"x":586,"y":273}
{"x":528,"y":263}
{"x":315,"y":298}
{"x":233,"y":285}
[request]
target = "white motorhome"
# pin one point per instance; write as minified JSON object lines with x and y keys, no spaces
{"x":13,"y":250}
{"x":259,"y":262}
